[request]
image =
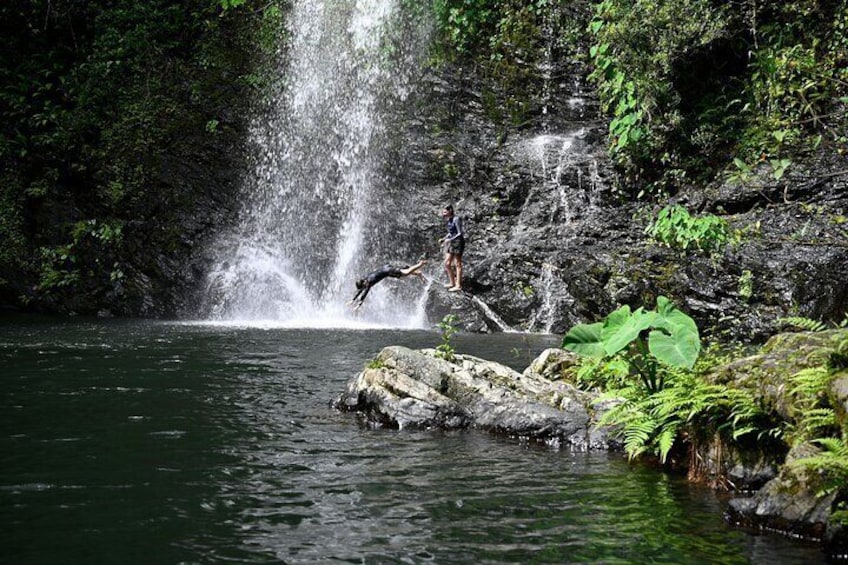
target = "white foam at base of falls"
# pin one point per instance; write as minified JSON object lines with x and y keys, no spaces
{"x":316,"y":203}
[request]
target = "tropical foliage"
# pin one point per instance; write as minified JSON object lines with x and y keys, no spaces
{"x":676,"y":228}
{"x":661,"y":399}
{"x":95,"y":98}
{"x":686,"y":410}
{"x":447,"y":328}
{"x":691,"y":85}
{"x":666,"y":336}
{"x":820,"y":424}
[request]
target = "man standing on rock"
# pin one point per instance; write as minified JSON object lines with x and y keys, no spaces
{"x":454,"y":245}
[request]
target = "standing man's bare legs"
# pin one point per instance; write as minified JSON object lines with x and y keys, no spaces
{"x":457,"y":261}
{"x":455,"y":272}
{"x":449,"y":269}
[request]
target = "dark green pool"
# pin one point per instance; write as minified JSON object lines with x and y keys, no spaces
{"x":139,"y":442}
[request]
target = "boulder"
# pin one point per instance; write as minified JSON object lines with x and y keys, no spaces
{"x":766,"y":373}
{"x":790,"y":504}
{"x":405,"y":388}
{"x":839,"y":396}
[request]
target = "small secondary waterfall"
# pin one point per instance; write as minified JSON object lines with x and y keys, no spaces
{"x":318,"y":206}
{"x":566,"y":174}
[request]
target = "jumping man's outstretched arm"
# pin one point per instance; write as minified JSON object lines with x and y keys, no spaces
{"x":364,"y":292}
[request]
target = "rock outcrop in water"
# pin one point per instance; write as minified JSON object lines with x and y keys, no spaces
{"x":405,"y":388}
{"x":790,"y":504}
{"x":794,"y":499}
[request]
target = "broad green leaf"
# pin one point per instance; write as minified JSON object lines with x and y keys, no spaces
{"x":585,"y":339}
{"x":622,"y":327}
{"x":674,"y":321}
{"x":678,"y":351}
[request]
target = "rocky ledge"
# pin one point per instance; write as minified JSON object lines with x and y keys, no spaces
{"x":793,"y":505}
{"x":405,"y":388}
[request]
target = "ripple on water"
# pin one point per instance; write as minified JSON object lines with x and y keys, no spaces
{"x":237,"y":457}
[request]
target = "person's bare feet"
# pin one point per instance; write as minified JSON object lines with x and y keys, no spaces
{"x":455,"y":289}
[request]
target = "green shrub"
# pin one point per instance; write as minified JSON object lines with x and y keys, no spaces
{"x":677,"y":229}
{"x":693,"y":85}
{"x":447,"y":326}
{"x":668,"y":399}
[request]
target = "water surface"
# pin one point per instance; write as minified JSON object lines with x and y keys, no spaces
{"x":140,"y":442}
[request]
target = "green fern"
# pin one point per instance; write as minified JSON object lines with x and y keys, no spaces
{"x":603,"y":374}
{"x":829,"y":467}
{"x":666,"y":438}
{"x":810,"y":383}
{"x":803,"y":324}
{"x":686,"y":407}
{"x":814,"y":414}
{"x":839,"y":357}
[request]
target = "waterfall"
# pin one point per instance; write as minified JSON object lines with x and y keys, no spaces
{"x":318,"y":211}
{"x":490,"y":315}
{"x":565,"y":191}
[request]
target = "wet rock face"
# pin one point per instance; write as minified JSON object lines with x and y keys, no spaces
{"x":551,"y":243}
{"x":405,"y":388}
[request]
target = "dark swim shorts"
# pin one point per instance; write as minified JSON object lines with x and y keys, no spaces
{"x":457,"y":246}
{"x":374,"y":277}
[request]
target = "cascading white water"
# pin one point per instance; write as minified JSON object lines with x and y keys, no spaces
{"x":317,"y":207}
{"x":567,"y":174}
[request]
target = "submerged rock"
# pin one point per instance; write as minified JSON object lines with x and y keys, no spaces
{"x":405,"y":388}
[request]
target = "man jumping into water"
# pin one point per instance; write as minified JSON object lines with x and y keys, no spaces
{"x":364,"y":284}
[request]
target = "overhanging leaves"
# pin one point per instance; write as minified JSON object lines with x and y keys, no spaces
{"x":585,"y":339}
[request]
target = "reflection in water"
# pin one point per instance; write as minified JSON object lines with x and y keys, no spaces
{"x":134,"y":442}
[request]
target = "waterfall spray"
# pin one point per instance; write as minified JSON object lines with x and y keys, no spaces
{"x":318,"y":193}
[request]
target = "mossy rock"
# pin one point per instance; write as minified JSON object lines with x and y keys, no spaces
{"x":556,"y":365}
{"x":766,"y":373}
{"x":839,"y":398}
{"x":789,"y":503}
{"x":815,"y":347}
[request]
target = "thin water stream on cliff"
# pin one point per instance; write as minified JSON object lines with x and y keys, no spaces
{"x":144,"y":442}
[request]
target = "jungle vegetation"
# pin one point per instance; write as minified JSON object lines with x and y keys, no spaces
{"x":98,"y":100}
{"x":692,"y":88}
{"x":101,"y":100}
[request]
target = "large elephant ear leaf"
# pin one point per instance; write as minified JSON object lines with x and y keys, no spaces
{"x":669,"y":318}
{"x":585,"y":339}
{"x":622,"y":327}
{"x":675,"y":341}
{"x":678,"y":351}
